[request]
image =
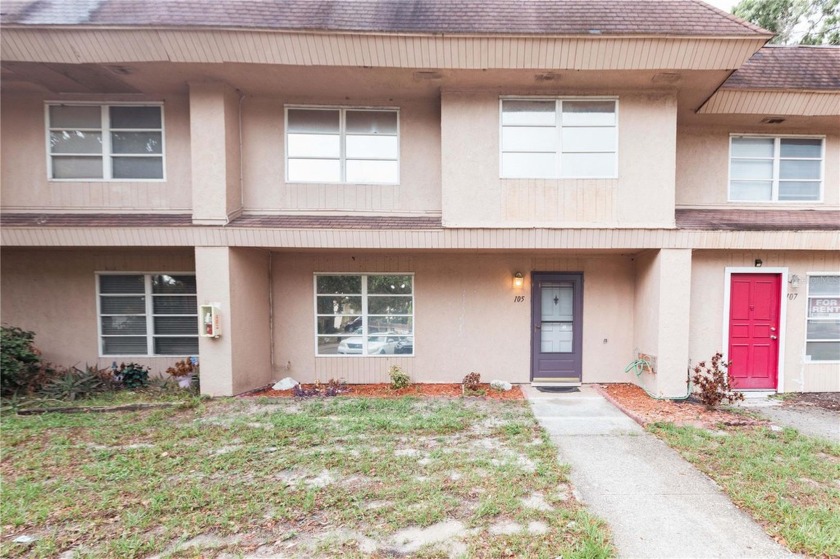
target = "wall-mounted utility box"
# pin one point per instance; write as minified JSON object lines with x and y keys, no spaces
{"x":651,"y":359}
{"x":210,"y":321}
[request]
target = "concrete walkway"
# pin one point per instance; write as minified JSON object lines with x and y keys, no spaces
{"x":813,"y":422}
{"x":657,"y":504}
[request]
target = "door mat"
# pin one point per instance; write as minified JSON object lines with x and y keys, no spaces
{"x":556,"y":389}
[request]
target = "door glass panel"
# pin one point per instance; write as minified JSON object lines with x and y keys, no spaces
{"x":556,"y":337}
{"x":556,"y":302}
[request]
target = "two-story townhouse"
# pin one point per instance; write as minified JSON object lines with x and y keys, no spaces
{"x":539,"y":191}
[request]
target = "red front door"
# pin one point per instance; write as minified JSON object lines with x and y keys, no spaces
{"x":754,"y":330}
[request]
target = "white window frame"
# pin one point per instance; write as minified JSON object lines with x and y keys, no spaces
{"x":364,"y":315}
{"x":105,"y":120}
{"x":149,"y":313}
{"x":808,"y":319}
{"x":342,"y":133}
{"x":558,"y":115}
{"x":774,"y":195}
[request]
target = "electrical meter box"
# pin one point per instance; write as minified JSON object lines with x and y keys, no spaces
{"x":210,"y":321}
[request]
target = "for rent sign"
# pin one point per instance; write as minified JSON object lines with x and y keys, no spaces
{"x":819,"y":307}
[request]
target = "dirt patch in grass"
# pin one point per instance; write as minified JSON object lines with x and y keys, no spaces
{"x":825,"y":400}
{"x":383,"y":390}
{"x":292,"y":478}
{"x":646,"y":410}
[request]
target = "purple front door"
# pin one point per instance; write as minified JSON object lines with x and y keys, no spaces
{"x":556,"y":328}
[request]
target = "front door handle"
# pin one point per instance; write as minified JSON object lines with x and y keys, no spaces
{"x":773,"y":338}
{"x":537,"y":327}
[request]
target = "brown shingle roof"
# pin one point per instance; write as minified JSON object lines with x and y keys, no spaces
{"x":95,"y":220}
{"x":518,"y":17}
{"x":759,"y":220}
{"x":335,"y":222}
{"x":796,"y":67}
{"x":185,"y":220}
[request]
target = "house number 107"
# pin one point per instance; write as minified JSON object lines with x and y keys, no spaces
{"x":518,"y":298}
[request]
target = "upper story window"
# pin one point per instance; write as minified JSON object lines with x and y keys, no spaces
{"x":775,"y":169}
{"x":559,"y":138}
{"x":105,"y":142}
{"x":326,"y":145}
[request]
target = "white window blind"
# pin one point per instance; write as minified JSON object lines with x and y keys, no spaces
{"x":326,"y":145}
{"x":148,"y":314}
{"x":559,"y":138}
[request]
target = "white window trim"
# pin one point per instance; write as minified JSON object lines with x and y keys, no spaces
{"x":150,"y":316}
{"x":363,"y":314}
{"x":727,"y":298}
{"x":342,"y":141}
{"x":557,"y":115}
{"x":774,"y":200}
{"x":106,"y":139}
{"x":808,"y":276}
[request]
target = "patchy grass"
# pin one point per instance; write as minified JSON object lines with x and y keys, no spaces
{"x":342,"y":477}
{"x":789,"y":482}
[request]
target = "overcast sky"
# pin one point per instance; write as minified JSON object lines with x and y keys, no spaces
{"x":725,"y":5}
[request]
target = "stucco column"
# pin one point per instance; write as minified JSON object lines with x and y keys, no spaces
{"x":661,"y":318}
{"x":215,"y":153}
{"x":237,"y":280}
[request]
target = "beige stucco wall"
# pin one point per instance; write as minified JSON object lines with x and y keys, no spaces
{"x":662,"y":297}
{"x":236,"y":281}
{"x":707,"y":300}
{"x":23,"y":163}
{"x":465,"y":316}
{"x":703,"y":167}
{"x":266,"y":191}
{"x":52,"y":292}
{"x":215,"y":145}
{"x":475,"y":196}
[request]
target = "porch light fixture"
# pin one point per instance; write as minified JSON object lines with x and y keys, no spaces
{"x":758,"y":262}
{"x":518,"y":280}
{"x":794,"y":281}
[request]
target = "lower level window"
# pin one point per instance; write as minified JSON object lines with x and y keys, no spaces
{"x":823,"y":335}
{"x":148,"y":314}
{"x":364,"y":314}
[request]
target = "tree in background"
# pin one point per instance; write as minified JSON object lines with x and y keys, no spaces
{"x":806,"y":22}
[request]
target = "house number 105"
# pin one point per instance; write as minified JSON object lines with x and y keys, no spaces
{"x":518,"y":298}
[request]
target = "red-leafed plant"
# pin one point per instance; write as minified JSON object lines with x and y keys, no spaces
{"x":712,"y":384}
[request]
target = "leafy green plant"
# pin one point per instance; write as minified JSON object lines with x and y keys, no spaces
{"x":133,"y":375}
{"x":73,"y":384}
{"x":399,"y":378}
{"x":20,"y":362}
{"x":712,"y":383}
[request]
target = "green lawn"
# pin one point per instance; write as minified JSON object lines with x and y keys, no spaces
{"x":339,"y":477}
{"x":787,"y":481}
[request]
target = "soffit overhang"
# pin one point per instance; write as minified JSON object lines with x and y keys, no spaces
{"x":376,"y":50}
{"x":773,"y":102}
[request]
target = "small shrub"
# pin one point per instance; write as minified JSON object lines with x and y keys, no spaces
{"x":132,"y":375}
{"x":712,"y":384}
{"x":399,"y":378}
{"x":20,"y":362}
{"x":181,"y":368}
{"x":73,"y":384}
{"x":472,"y":382}
{"x":185,"y":368}
{"x":332,"y":387}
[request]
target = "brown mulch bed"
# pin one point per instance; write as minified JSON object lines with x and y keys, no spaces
{"x":825,"y":400}
{"x":633,"y":401}
{"x":424,"y":390}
